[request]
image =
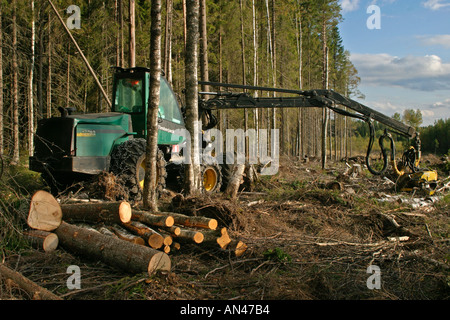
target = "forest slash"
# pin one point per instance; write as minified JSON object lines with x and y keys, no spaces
{"x":295,"y":236}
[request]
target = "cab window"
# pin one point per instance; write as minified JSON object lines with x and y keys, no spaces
{"x":168,"y":105}
{"x":129,"y":96}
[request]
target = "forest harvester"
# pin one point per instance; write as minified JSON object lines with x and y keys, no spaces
{"x":75,"y":146}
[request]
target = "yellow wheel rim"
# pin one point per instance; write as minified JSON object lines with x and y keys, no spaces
{"x":141,"y":173}
{"x":209,"y":179}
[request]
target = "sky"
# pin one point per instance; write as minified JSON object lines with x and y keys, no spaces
{"x":401,"y":49}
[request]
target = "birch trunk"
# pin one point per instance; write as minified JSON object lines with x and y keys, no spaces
{"x":192,"y":116}
{"x":150,"y":192}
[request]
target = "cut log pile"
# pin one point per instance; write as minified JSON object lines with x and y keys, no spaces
{"x":126,"y":238}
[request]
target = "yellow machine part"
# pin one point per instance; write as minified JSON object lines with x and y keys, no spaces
{"x":424,"y":180}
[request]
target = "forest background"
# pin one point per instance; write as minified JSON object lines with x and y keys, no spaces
{"x":285,"y":44}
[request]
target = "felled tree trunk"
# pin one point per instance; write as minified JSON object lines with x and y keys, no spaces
{"x":188,"y":235}
{"x":237,"y":247}
{"x":153,"y":238}
{"x":114,"y":252}
{"x":192,"y":221}
{"x":36,"y":291}
{"x":108,"y":212}
{"x":219,"y":237}
{"x":152,"y":219}
{"x":123,"y":234}
{"x":45,"y":212}
{"x":44,"y":240}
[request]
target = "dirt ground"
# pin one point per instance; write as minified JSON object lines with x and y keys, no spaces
{"x":307,"y":238}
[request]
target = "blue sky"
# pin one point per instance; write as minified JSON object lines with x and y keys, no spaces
{"x":406,"y":63}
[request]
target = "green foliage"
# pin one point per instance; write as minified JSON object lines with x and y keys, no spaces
{"x":277,"y":255}
{"x":297,"y":31}
{"x":413,"y":118}
{"x":436,"y":138}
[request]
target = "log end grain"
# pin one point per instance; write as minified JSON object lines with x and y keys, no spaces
{"x":240,"y":248}
{"x":212,"y":224}
{"x":198,"y":237}
{"x":125,"y":212}
{"x":45,"y":212}
{"x":170,"y":221}
{"x":50,"y":242}
{"x":155,"y":241}
{"x":159,"y":262}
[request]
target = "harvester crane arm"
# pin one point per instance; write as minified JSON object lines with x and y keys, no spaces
{"x":319,"y":99}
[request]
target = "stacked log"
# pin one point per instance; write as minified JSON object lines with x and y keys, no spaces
{"x":46,"y":214}
{"x":40,"y":239}
{"x":119,"y":235}
{"x":152,"y":237}
{"x":115,"y":252}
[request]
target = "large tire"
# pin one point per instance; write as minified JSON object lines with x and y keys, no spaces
{"x":128,"y":164}
{"x":210,"y":176}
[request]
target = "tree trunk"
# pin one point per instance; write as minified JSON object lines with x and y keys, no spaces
{"x":325,"y":86}
{"x":45,"y":212}
{"x":192,"y":116}
{"x":49,"y":76}
{"x":236,"y":247}
{"x":44,"y":240}
{"x":153,"y":219}
{"x":204,"y":69}
{"x":244,"y":82}
{"x":123,"y":234}
{"x":188,"y":235}
{"x":37,"y":292}
{"x":255,"y":76}
{"x":235,"y":181}
{"x":68,"y":77}
{"x":30,"y":85}
{"x":121,"y":27}
{"x":15,"y":90}
{"x":2,"y":142}
{"x":168,"y":41}
{"x":108,"y":212}
{"x":117,"y":253}
{"x":192,"y":221}
{"x":219,"y":237}
{"x":132,"y":30}
{"x":153,"y":238}
{"x":184,"y":24}
{"x":150,"y":183}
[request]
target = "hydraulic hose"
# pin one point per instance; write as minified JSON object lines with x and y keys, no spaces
{"x":383,"y":150}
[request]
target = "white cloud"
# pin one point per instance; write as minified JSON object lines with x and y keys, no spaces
{"x":437,"y":40}
{"x":349,"y":5}
{"x":435,"y":4}
{"x":441,"y":104}
{"x":426,"y":73}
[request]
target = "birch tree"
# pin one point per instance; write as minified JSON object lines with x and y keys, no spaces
{"x":30,"y":85}
{"x":191,"y":61}
{"x":150,"y":179}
